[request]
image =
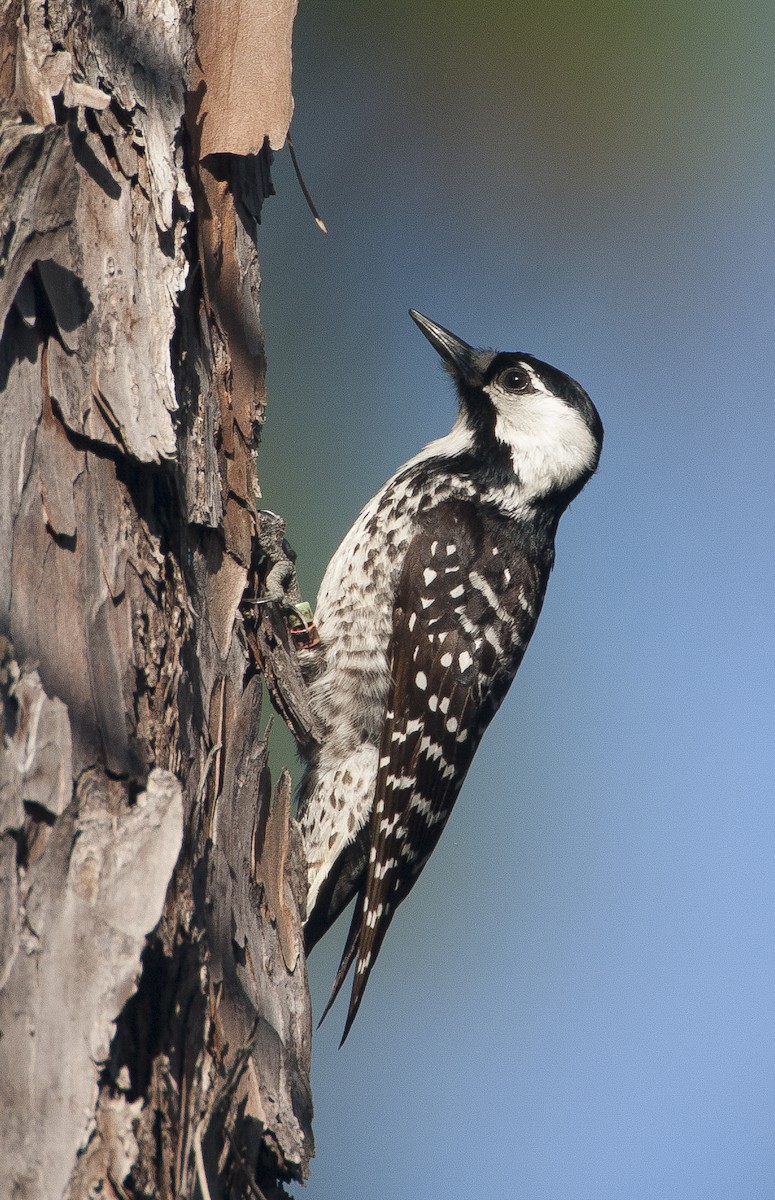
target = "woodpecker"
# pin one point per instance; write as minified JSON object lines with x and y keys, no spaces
{"x":424,"y":615}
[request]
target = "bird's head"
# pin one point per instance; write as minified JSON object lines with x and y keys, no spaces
{"x":522,"y":411}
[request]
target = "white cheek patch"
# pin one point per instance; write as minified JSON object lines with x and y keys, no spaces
{"x":551,"y":445}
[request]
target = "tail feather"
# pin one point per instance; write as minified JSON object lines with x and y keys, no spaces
{"x":367,"y":943}
{"x":348,"y":954}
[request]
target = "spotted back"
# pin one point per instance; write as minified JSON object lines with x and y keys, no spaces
{"x":466,"y":605}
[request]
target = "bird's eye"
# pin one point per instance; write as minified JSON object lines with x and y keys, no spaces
{"x":515,"y":379}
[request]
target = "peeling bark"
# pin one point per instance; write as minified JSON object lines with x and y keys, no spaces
{"x":154,"y":1010}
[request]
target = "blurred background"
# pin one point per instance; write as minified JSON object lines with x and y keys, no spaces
{"x":576,"y":1002}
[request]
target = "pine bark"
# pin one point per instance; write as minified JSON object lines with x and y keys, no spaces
{"x":154,"y":1009}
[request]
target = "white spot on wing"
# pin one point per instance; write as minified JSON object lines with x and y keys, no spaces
{"x":523,"y":600}
{"x":468,"y":626}
{"x":399,"y":783}
{"x":421,"y":679}
{"x":483,"y":586}
{"x":491,"y":637}
{"x":430,"y":749}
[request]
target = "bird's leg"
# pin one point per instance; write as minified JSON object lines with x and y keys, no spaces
{"x":280,"y":585}
{"x":282,"y":631}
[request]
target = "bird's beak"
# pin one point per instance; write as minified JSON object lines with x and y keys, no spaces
{"x":458,"y":355}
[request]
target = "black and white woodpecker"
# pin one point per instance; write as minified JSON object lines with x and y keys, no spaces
{"x":424,"y":614}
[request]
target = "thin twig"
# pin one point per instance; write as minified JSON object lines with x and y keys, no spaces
{"x":222,"y":1096}
{"x":118,"y":1188}
{"x":201,"y":1174}
{"x":253,"y":1187}
{"x":200,"y":791}
{"x":305,"y":190}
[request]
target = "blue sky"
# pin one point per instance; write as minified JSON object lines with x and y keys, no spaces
{"x":575,"y":1003}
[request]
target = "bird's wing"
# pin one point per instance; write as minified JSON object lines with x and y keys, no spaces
{"x":459,"y":632}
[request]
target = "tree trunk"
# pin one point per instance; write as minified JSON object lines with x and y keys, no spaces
{"x":154,"y":1013}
